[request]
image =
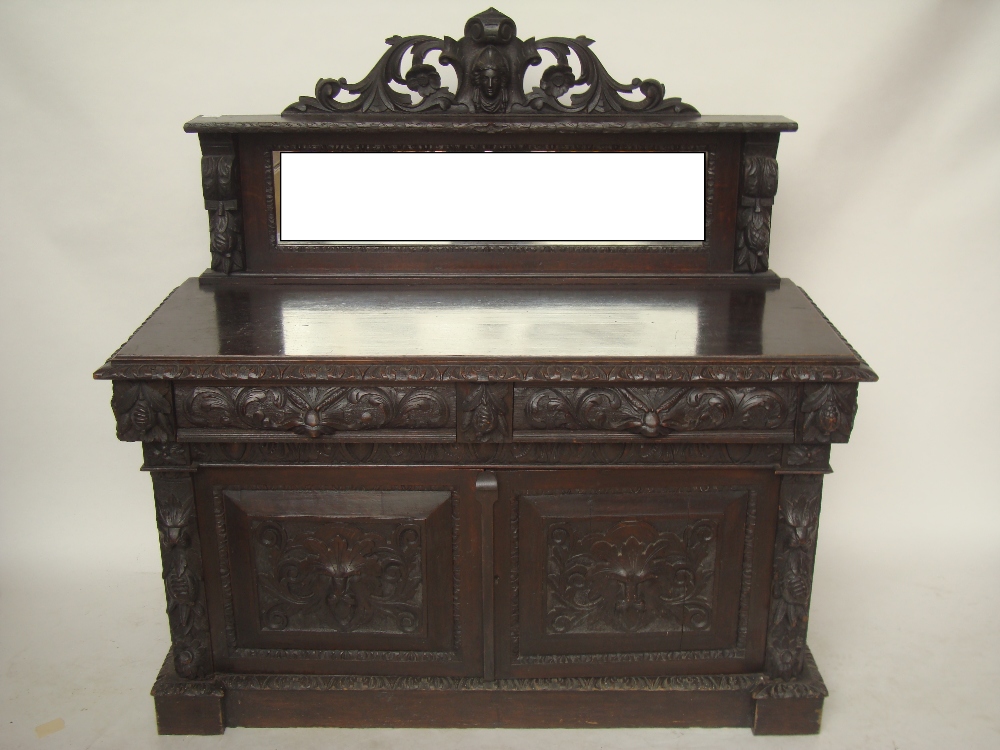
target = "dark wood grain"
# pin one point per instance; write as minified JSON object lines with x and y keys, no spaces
{"x":488,"y":484}
{"x":279,"y":332}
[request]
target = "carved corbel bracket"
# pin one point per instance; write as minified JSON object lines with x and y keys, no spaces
{"x":758,"y":186}
{"x":220,"y":184}
{"x":490,"y":63}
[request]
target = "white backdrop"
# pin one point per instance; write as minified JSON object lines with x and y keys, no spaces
{"x":887,"y":213}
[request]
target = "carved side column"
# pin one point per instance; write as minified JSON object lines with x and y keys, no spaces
{"x":220,"y":183}
{"x":187,"y":701}
{"x":794,"y":554}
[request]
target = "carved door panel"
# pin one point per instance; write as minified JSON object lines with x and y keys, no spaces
{"x":342,"y":571}
{"x":632,"y":572}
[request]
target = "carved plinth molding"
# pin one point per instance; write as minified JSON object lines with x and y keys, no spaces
{"x":143,"y":411}
{"x":183,"y":576}
{"x":791,"y":588}
{"x":220,"y":184}
{"x":490,"y":63}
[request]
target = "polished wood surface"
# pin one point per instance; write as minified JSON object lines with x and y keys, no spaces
{"x":277,"y":322}
{"x":488,"y":484}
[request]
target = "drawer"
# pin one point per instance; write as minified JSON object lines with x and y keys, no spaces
{"x":342,"y":571}
{"x":675,"y":413}
{"x":339,"y":413}
{"x":608,"y":572}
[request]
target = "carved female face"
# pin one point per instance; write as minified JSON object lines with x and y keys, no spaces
{"x":490,"y":76}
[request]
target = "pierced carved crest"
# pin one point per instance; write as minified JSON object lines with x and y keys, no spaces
{"x":490,"y":62}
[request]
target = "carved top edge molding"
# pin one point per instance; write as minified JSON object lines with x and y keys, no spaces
{"x":497,"y":124}
{"x":489,"y":63}
{"x":526,"y":372}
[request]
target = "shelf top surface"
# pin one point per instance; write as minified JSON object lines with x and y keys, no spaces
{"x":284,"y":323}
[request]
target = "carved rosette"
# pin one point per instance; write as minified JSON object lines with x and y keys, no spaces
{"x":652,"y":412}
{"x":142,"y":411}
{"x":484,"y":413}
{"x":315,"y":411}
{"x":220,"y":183}
{"x":183,"y":578}
{"x":794,"y":555}
{"x":490,"y":63}
{"x":828,"y":413}
{"x":753,"y":221}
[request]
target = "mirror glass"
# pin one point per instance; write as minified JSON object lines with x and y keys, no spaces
{"x":444,"y":197}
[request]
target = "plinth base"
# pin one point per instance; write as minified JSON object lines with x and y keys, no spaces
{"x":766,"y":705}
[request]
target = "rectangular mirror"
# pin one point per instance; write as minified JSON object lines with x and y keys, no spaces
{"x":578,"y":197}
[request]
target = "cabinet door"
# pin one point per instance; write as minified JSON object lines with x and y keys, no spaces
{"x":632,"y":572}
{"x":342,"y":571}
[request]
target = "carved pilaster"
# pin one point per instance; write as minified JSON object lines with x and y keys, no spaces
{"x":758,"y":186}
{"x":794,"y":554}
{"x":143,"y":411}
{"x":828,"y":412}
{"x":220,"y":183}
{"x":484,"y":413}
{"x":183,"y":576}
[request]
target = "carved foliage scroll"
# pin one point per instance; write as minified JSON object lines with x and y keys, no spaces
{"x":652,"y":412}
{"x":339,"y":576}
{"x":484,"y":413}
{"x":316,"y":411}
{"x":142,"y":411}
{"x":828,"y":413}
{"x":753,"y":221}
{"x":183,"y":578}
{"x":630,"y":578}
{"x":220,"y":183}
{"x":794,"y":555}
{"x":490,"y":63}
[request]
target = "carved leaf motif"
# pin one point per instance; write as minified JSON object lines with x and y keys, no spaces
{"x":182,"y":575}
{"x":653,"y":412}
{"x":490,"y":64}
{"x":143,"y":411}
{"x":314,"y":411}
{"x":828,"y":413}
{"x":794,"y":553}
{"x":753,"y":235}
{"x":630,"y":578}
{"x":339,"y":577}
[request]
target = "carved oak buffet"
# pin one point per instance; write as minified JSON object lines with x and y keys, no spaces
{"x":487,"y":483}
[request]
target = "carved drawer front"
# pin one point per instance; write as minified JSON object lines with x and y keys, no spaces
{"x":645,"y":579}
{"x":340,"y":580}
{"x":701,"y":413}
{"x":328,"y":413}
